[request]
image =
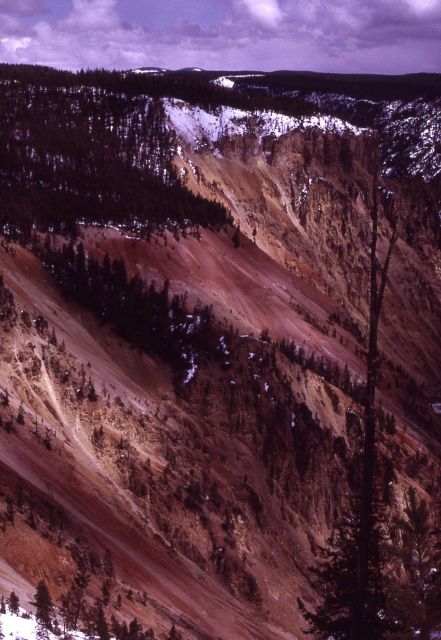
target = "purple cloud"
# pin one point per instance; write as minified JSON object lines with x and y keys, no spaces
{"x":390,"y":36}
{"x":23,"y":7}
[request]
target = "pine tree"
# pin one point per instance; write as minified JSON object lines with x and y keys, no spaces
{"x":101,"y":626}
{"x":135,"y":630}
{"x":174,"y":634}
{"x":91,"y":394}
{"x":105,"y":592}
{"x":109,"y":569}
{"x":115,"y":628}
{"x":88,"y":615}
{"x":43,"y":604}
{"x":2,"y":605}
{"x":236,"y":237}
{"x":14,"y":603}
{"x":415,"y":600}
{"x":378,"y":281}
{"x":72,"y":605}
{"x":82,"y":576}
{"x":336,"y":580}
{"x":10,"y":510}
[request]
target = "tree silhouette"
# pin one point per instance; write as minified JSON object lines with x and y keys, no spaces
{"x":101,"y":626}
{"x":43,"y":605}
{"x":378,"y":280}
{"x":14,"y":603}
{"x":335,"y":580}
{"x":415,"y":600}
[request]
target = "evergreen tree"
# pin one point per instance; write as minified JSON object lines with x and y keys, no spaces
{"x":367,"y":524}
{"x":105,"y":593}
{"x":109,"y":569}
{"x":91,"y":394}
{"x":88,"y":615}
{"x":174,"y":634}
{"x":415,"y":600}
{"x":82,"y":576}
{"x":115,"y":628}
{"x":2,"y":605}
{"x":10,"y":510}
{"x":336,"y":582}
{"x":72,"y":605}
{"x":14,"y":603}
{"x":135,"y":630}
{"x":236,"y":237}
{"x":101,"y":626}
{"x":43,"y":604}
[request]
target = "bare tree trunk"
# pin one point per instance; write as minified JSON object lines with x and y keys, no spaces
{"x":358,"y":627}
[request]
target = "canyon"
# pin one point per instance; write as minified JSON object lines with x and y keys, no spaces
{"x":214,"y":488}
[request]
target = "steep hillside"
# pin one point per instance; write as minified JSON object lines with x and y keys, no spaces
{"x":303,"y":196}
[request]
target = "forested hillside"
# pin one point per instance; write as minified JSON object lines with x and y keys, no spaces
{"x":73,"y":154}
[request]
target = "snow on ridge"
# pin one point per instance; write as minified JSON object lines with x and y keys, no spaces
{"x":414,"y":131}
{"x":228,"y":82}
{"x":149,"y":71}
{"x":326,"y":99}
{"x":198,"y":127}
{"x":224,"y":82}
{"x":247,"y":75}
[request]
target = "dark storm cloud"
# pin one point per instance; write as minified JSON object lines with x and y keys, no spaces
{"x":338,"y":35}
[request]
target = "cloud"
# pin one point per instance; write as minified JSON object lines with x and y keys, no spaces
{"x":23,"y":7}
{"x":91,"y":35}
{"x":267,"y":12}
{"x":423,"y":5}
{"x":92,"y":14}
{"x":390,"y":36}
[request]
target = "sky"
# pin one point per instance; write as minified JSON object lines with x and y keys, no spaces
{"x":346,"y":36}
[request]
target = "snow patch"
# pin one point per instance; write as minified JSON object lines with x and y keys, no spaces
{"x":436,"y":406}
{"x":193,"y":367}
{"x":199,"y":127}
{"x":224,"y":82}
{"x":18,"y":627}
{"x":149,"y":71}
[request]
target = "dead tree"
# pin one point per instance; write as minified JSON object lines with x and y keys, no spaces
{"x":378,"y":280}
